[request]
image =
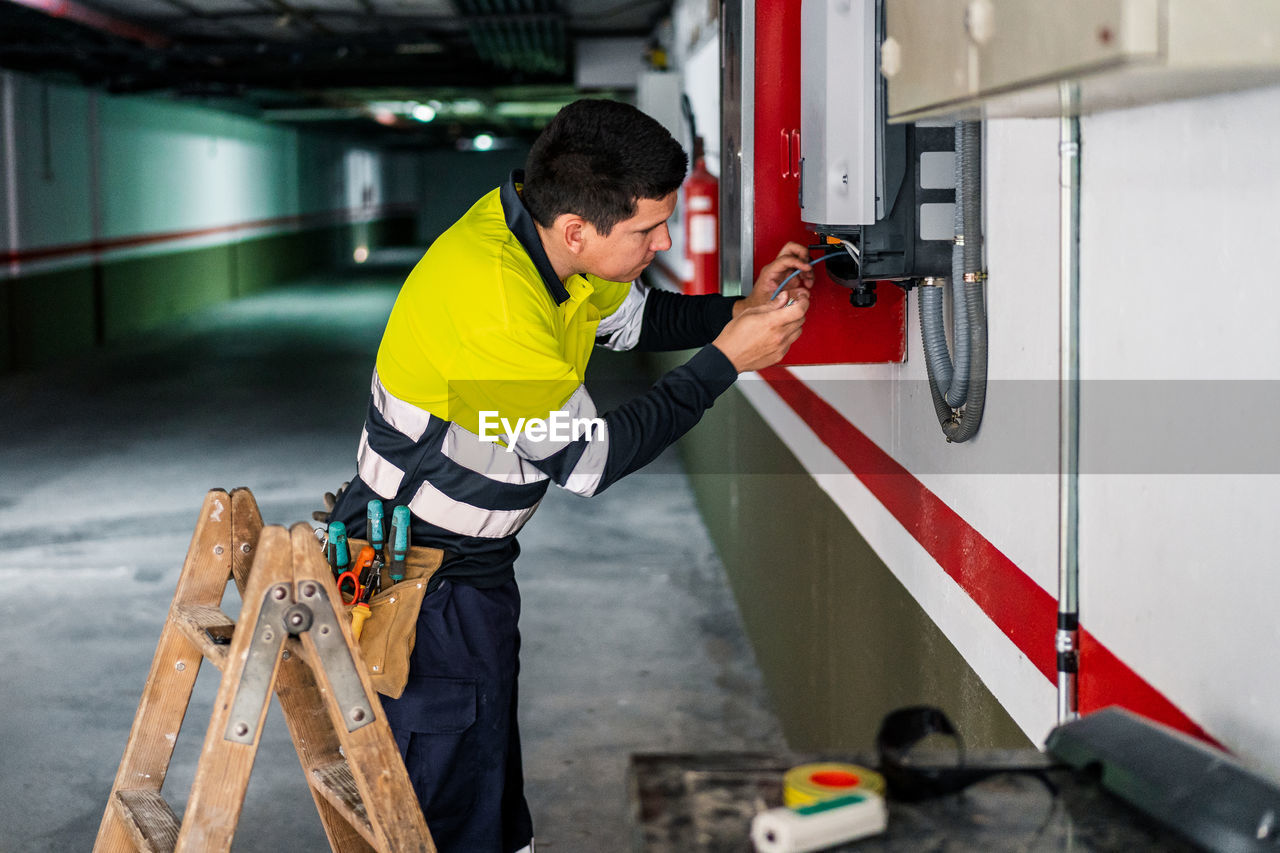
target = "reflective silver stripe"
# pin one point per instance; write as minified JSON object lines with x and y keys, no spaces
{"x":434,"y":506}
{"x":578,"y":406}
{"x":405,"y":417}
{"x":586,"y":475}
{"x":376,"y":472}
{"x":488,"y":458}
{"x":621,"y":329}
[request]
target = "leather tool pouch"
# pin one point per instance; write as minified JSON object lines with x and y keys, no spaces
{"x":386,"y":641}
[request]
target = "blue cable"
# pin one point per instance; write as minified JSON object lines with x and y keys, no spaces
{"x":795,"y":273}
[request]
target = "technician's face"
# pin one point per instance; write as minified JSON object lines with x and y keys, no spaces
{"x":632,"y":244}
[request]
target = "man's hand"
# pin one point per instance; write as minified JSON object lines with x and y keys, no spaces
{"x":792,"y":257}
{"x":330,"y":500}
{"x":759,"y":337}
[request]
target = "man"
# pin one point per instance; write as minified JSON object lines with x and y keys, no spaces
{"x":491,"y":334}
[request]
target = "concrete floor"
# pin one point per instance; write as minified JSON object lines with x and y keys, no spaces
{"x":631,"y":639}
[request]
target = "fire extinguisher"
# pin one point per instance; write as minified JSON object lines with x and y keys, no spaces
{"x":701,"y":229}
{"x":701,"y":219}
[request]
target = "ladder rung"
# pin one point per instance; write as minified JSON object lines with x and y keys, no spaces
{"x":151,"y":823}
{"x":336,"y":784}
{"x":196,"y":621}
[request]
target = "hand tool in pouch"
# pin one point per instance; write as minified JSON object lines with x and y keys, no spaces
{"x":399,"y":542}
{"x":355,"y":575}
{"x":377,"y":531}
{"x":339,"y":552}
{"x":360,"y":612}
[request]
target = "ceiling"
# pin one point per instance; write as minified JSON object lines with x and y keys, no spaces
{"x":504,"y":65}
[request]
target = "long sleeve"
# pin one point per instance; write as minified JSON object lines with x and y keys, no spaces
{"x":589,"y":461}
{"x":672,"y":321}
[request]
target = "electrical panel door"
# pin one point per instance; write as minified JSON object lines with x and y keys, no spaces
{"x":838,"y":113}
{"x":762,"y":98}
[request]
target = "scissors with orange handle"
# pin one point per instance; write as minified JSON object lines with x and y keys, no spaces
{"x":351,"y":577}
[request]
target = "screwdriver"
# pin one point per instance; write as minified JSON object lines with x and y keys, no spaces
{"x":399,"y":542}
{"x":360,"y":612}
{"x":339,"y":553}
{"x":377,"y":537}
{"x":363,"y":562}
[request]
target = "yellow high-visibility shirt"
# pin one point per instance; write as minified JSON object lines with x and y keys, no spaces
{"x":476,"y":326}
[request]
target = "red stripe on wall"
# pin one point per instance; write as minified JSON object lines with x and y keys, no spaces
{"x":94,"y":247}
{"x":1107,"y":680}
{"x":1019,"y":607}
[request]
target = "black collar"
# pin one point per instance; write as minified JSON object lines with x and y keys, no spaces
{"x":521,"y":224}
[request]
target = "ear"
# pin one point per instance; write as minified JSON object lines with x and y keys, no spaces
{"x":572,"y":230}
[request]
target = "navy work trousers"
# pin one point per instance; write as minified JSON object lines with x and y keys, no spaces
{"x":455,"y":723}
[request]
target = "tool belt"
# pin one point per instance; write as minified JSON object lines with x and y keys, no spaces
{"x":386,"y":641}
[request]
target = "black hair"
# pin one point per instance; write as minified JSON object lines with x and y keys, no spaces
{"x":596,"y":159}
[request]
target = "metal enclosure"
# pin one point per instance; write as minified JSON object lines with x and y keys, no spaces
{"x":760,"y":186}
{"x":998,"y":58}
{"x":838,"y":114}
{"x":888,"y":189}
{"x":915,"y":236}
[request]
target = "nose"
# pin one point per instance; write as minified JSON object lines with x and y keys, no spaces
{"x":662,"y":239}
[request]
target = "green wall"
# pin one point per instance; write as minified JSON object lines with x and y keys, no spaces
{"x":839,"y":640}
{"x":455,"y":180}
{"x":6,"y":344}
{"x":92,"y":168}
{"x":47,"y":316}
{"x":143,"y":293}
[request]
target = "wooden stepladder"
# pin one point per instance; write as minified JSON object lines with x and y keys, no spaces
{"x":293,"y":640}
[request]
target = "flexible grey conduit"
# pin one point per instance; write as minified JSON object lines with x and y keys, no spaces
{"x":952,"y":380}
{"x":963,"y":425}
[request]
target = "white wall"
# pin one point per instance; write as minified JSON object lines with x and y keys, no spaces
{"x":695,"y":59}
{"x":169,"y":166}
{"x":1178,"y":570}
{"x":51,"y":162}
{"x":81,"y":166}
{"x":1178,"y":567}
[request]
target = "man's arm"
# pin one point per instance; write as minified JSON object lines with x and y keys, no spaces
{"x":672,"y":321}
{"x":589,"y":460}
{"x":635,"y":433}
{"x":755,"y":336}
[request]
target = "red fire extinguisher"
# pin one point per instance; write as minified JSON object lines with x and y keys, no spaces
{"x":701,"y":228}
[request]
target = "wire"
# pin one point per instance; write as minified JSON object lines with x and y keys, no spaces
{"x":812,"y":264}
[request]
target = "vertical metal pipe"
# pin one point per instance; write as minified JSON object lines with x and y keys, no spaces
{"x":1068,"y":634}
{"x":94,"y":125}
{"x":9,"y":150}
{"x":747,"y":246}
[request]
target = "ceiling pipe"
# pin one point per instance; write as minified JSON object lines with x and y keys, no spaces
{"x":69,"y":11}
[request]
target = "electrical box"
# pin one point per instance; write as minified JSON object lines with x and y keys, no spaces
{"x":839,"y":119}
{"x":888,"y":190}
{"x":761,"y":95}
{"x":1004,"y":58}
